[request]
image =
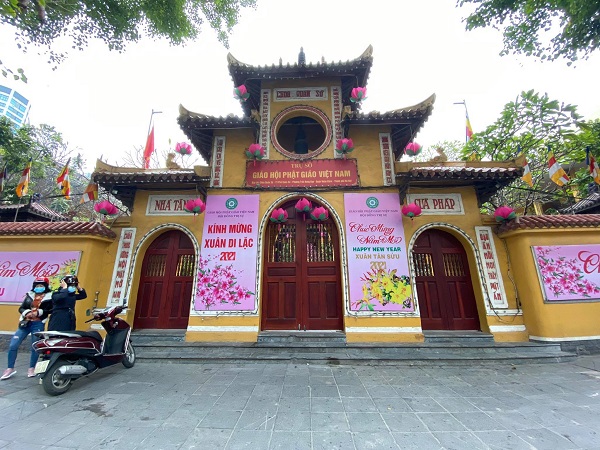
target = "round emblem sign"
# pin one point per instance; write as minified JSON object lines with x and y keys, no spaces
{"x":372,"y":202}
{"x":231,"y":203}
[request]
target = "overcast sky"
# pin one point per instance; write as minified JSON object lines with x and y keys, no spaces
{"x":101,"y":101}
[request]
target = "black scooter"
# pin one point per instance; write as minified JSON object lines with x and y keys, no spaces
{"x":68,"y":355}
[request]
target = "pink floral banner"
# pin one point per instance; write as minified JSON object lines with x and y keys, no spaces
{"x":377,"y":259}
{"x":569,"y":273}
{"x":19,"y":269}
{"x":227,"y":265}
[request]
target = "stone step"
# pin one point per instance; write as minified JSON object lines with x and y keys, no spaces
{"x":301,"y":339}
{"x":153,"y":335}
{"x":462,"y":337}
{"x":388,"y":354}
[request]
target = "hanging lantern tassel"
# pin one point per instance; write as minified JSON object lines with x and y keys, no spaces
{"x":319,"y":214}
{"x":195,"y":206}
{"x":504,"y":214}
{"x":304,"y":206}
{"x":255,"y":151}
{"x":344,"y":146}
{"x":411,"y":210}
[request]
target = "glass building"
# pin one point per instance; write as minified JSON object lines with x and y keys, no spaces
{"x":14,"y":106}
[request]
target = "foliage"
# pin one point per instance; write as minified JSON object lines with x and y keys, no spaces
{"x":49,"y":154}
{"x":115,"y":22}
{"x":588,"y":137}
{"x":529,"y":26}
{"x":452,"y":149}
{"x":531,"y":123}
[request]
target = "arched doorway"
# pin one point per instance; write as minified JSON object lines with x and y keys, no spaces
{"x":166,"y":282}
{"x":443,"y":281}
{"x":301,"y":276}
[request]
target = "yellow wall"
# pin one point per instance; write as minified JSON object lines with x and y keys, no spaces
{"x":95,"y":262}
{"x":551,"y":321}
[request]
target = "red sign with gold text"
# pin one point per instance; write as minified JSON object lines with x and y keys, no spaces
{"x":292,"y":174}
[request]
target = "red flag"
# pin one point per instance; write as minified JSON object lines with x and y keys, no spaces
{"x":149,"y":148}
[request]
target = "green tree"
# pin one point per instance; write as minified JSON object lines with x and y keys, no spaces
{"x":588,"y":138}
{"x":49,"y":154}
{"x":531,"y":124}
{"x":545,"y":29}
{"x":116,"y":22}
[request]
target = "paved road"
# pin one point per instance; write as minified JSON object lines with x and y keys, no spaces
{"x":290,"y":406}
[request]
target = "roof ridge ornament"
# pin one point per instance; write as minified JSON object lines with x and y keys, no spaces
{"x":301,"y":57}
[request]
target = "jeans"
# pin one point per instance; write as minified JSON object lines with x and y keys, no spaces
{"x":20,"y":334}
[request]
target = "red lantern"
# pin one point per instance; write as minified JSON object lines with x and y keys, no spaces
{"x":411,"y":210}
{"x":504,"y":214}
{"x":279,"y":215}
{"x":303,"y":205}
{"x":195,"y":206}
{"x":412,"y":149}
{"x":358,"y":94}
{"x":319,"y":214}
{"x":241,"y":93}
{"x":106,"y":208}
{"x":183,"y":148}
{"x":344,"y":146}
{"x":255,"y":151}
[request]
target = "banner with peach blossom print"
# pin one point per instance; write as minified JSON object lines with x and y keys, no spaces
{"x":227,"y":266}
{"x":377,"y":258}
{"x":568,"y":273}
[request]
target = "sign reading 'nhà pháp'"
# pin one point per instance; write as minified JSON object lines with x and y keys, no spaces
{"x":290,"y":174}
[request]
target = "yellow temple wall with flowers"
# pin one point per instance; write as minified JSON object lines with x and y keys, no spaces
{"x":551,"y":321}
{"x":93,"y":261}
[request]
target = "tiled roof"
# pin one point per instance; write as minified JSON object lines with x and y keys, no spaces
{"x":149,"y":176}
{"x":416,"y":111}
{"x":36,"y":209}
{"x":55,"y":229}
{"x":551,"y":221}
{"x":463,"y":173}
{"x":592,"y":201}
{"x":353,"y":73}
{"x":485,"y":177}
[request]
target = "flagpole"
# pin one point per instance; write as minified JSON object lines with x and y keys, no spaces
{"x":150,"y":124}
{"x":17,"y":210}
{"x":464,"y":103}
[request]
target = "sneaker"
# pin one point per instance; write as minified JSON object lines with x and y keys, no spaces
{"x":31,"y":372}
{"x":7,"y":374}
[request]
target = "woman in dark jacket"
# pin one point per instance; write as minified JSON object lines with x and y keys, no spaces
{"x":63,"y":304}
{"x":34,"y":311}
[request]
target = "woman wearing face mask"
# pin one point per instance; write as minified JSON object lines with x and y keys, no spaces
{"x":34,"y":311}
{"x":63,"y":304}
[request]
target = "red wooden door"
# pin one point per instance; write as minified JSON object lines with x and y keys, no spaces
{"x":301,"y":285}
{"x":443,"y":280}
{"x":166,"y":282}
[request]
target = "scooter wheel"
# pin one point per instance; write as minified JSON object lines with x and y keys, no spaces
{"x":129,"y":357}
{"x":54,"y":382}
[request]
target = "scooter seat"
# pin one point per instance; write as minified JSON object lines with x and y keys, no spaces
{"x":90,"y":334}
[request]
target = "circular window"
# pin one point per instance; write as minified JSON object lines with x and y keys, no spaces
{"x":301,"y":132}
